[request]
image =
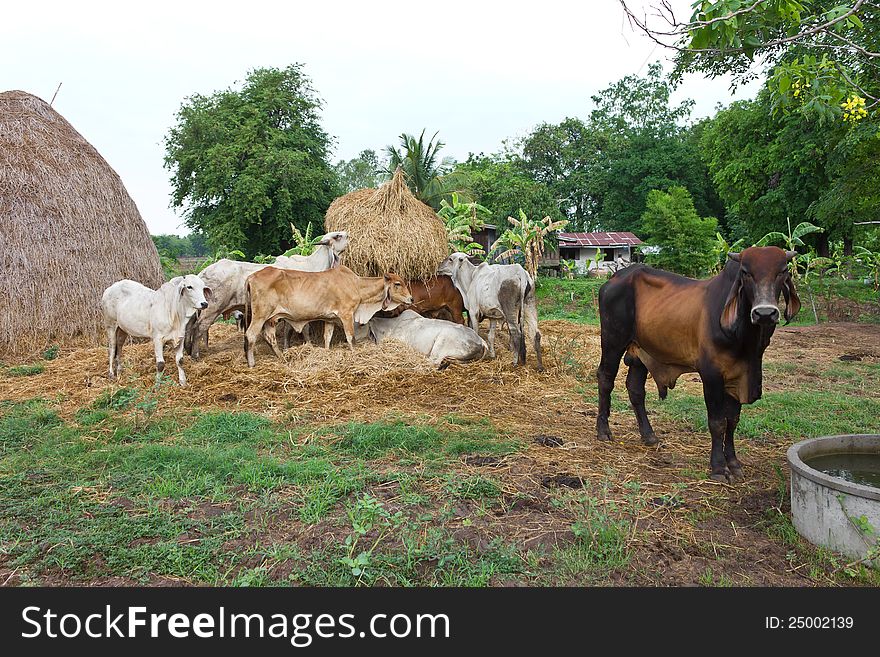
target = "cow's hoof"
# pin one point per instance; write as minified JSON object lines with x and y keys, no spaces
{"x":736,"y":475}
{"x":604,"y":436}
{"x":650,"y":439}
{"x":719,"y":476}
{"x":540,"y":368}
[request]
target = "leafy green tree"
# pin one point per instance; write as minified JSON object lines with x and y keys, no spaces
{"x":568,"y":158}
{"x":685,"y":239}
{"x":247,"y":162}
{"x":499,"y":183}
{"x":823,"y":54}
{"x":361,"y":172}
{"x":635,"y":141}
{"x":427,"y":174}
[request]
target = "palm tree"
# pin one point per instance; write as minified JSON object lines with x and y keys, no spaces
{"x":427,"y":175}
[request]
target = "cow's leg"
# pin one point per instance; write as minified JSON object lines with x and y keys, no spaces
{"x":713,"y":393}
{"x":272,"y":338}
{"x":178,"y":359}
{"x":207,"y":317}
{"x":120,"y":338}
{"x":491,"y":338}
{"x":348,"y":327}
{"x":307,"y":334}
{"x":160,"y":358}
{"x":329,"y":327}
{"x":111,"y":352}
{"x":251,"y":335}
{"x":530,"y":316}
{"x":605,"y":374}
{"x":635,"y":386}
{"x":732,"y":409}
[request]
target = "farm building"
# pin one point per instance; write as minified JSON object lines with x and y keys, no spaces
{"x":584,"y":248}
{"x":69,"y":229}
{"x":391,"y":231}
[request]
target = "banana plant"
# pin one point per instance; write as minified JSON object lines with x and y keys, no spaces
{"x":461,"y":220}
{"x":871,"y":261}
{"x":529,"y":239}
{"x":720,"y":249}
{"x":792,"y":240}
{"x":303,"y":244}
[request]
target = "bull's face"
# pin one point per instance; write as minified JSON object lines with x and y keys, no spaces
{"x":452,"y":264}
{"x":396,"y":292}
{"x":195,"y":292}
{"x":337,"y":241}
{"x":763,"y":276}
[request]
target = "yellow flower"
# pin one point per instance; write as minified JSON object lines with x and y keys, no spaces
{"x":854,"y":109}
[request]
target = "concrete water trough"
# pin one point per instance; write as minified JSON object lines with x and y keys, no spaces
{"x":826,"y":508}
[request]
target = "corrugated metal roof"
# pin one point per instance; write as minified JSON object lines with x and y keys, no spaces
{"x":598,"y":239}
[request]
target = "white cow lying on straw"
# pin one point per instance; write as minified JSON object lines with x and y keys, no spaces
{"x":441,"y":341}
{"x":227,"y":279}
{"x":131,"y":309}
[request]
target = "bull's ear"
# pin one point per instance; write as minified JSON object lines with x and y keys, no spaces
{"x":792,"y":300}
{"x":208,"y":294}
{"x":730,"y":311}
{"x":387,"y":278}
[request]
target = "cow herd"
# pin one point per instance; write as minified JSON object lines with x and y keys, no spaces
{"x":660,"y":323}
{"x":298,"y":291}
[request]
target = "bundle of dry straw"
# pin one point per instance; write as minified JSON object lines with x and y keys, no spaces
{"x":391,"y":231}
{"x":68,"y":229}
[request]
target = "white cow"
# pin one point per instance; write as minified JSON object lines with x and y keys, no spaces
{"x":131,"y":309}
{"x":227,"y":279}
{"x":441,"y":341}
{"x":504,"y":292}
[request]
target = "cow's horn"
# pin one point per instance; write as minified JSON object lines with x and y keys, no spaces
{"x":733,"y":256}
{"x":790,"y":255}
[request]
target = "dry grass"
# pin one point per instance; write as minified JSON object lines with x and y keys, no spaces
{"x":390,"y":230}
{"x":68,"y":230}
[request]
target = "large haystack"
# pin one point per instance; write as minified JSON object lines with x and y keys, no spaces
{"x":391,"y":231}
{"x":68,"y":229}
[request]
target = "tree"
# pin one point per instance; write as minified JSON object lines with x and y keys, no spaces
{"x":363,"y":171}
{"x":527,"y":239}
{"x":684,"y":239}
{"x":635,"y":140}
{"x":246,"y":163}
{"x":823,"y":54}
{"x":426,"y":173}
{"x":499,"y":183}
{"x":770,"y":167}
{"x":568,"y":159}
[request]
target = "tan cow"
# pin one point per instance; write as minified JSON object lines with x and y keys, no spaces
{"x":300,"y":297}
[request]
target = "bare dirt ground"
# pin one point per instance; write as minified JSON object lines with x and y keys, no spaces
{"x":686,"y":529}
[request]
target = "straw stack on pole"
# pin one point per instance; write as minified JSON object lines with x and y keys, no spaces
{"x":68,"y":229}
{"x":390,"y":230}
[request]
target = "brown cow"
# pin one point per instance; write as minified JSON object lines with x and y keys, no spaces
{"x":668,"y":325}
{"x":301,"y":297}
{"x":434,"y":297}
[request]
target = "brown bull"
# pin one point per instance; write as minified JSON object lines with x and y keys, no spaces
{"x":668,"y":325}
{"x":300,"y":297}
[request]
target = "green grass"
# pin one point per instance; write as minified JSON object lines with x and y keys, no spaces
{"x":573,"y":300}
{"x":796,"y":414}
{"x":25,"y":370}
{"x":60,"y":482}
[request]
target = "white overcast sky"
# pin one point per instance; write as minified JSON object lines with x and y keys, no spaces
{"x":479,"y":72}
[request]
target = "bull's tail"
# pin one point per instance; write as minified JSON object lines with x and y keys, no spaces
{"x":520,"y":314}
{"x":248,"y":314}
